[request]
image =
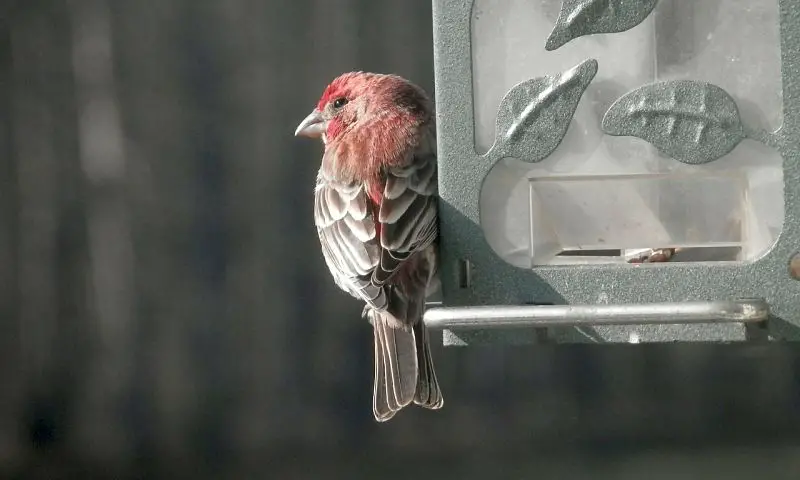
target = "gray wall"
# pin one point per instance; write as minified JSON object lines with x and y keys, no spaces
{"x":164,"y":308}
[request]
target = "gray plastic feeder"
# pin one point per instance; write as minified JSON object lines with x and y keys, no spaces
{"x":576,"y":138}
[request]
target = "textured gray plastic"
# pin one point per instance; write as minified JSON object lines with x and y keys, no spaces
{"x":535,"y":116}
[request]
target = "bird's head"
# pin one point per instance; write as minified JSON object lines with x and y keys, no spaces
{"x":358,"y":102}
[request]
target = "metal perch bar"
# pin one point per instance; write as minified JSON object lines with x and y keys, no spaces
{"x":492,"y":317}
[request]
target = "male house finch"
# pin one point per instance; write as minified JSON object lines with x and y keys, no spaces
{"x":375,"y":212}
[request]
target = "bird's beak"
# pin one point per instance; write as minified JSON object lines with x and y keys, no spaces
{"x":312,"y":126}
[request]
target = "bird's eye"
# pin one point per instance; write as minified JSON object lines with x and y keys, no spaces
{"x":339,"y":102}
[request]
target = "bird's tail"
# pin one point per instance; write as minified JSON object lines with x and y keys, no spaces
{"x":428,"y":394}
{"x":403,"y":366}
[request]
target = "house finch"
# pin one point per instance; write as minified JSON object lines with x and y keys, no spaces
{"x":376,"y":217}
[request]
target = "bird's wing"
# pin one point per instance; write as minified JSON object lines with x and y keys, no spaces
{"x":348,"y":237}
{"x":364,"y":258}
{"x":408,"y":211}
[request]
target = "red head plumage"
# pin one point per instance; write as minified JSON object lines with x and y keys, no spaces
{"x":368,"y":121}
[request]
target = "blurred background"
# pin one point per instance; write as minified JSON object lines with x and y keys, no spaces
{"x":166,"y":312}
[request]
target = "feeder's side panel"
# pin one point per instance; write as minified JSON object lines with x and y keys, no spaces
{"x":472,"y":274}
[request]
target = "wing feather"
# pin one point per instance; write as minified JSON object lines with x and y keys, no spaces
{"x":363,"y":256}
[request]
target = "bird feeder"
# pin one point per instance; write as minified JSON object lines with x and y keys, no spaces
{"x":618,"y":170}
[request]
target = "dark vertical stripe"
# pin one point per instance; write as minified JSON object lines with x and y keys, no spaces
{"x":11,"y":396}
{"x":209,"y":341}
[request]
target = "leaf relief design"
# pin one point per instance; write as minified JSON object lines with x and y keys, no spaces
{"x":692,"y":122}
{"x":534,"y":115}
{"x":587,"y":17}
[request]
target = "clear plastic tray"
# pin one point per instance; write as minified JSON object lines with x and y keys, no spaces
{"x":620,"y":189}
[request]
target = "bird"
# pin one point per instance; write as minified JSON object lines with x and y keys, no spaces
{"x":375,"y":211}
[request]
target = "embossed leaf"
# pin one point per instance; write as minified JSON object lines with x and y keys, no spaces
{"x":693,"y":122}
{"x":587,"y":17}
{"x":534,"y":116}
